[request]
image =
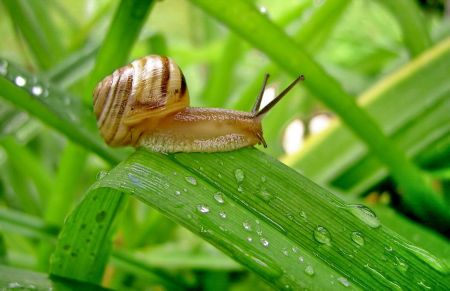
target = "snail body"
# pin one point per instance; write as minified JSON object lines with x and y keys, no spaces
{"x":146,"y":103}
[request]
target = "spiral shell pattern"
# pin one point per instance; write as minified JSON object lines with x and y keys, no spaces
{"x":133,"y":98}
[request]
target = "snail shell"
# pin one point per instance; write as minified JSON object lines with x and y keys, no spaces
{"x":146,"y":103}
{"x":141,"y":92}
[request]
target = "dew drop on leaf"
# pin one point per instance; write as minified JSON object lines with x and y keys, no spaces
{"x":178,"y":193}
{"x":219,"y":197}
{"x":37,"y":90}
{"x":250,"y":239}
{"x":358,"y":238}
{"x":365,"y":214}
{"x":135,"y":180}
{"x":239,"y":175}
{"x":309,"y":270}
{"x":3,"y":67}
{"x":191,"y":180}
{"x":223,"y":214}
{"x":400,"y":265}
{"x":344,"y":281}
{"x":202,"y":208}
{"x":322,"y":235}
{"x":266,"y":196}
{"x":265,"y":243}
{"x":100,"y":216}
{"x":101,"y":174}
{"x":247,"y":226}
{"x":20,"y":81}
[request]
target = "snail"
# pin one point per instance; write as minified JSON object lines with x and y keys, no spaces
{"x":146,"y":103}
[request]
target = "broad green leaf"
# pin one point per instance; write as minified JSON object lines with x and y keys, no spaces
{"x":258,"y":211}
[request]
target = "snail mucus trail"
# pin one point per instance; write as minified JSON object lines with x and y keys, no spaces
{"x":146,"y":103}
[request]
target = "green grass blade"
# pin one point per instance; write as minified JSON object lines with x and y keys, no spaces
{"x":268,"y":217}
{"x":37,"y":30}
{"x":408,"y":15}
{"x":53,"y":107}
{"x":419,"y":195}
{"x":28,"y":165}
{"x":411,"y":104}
{"x":123,"y":32}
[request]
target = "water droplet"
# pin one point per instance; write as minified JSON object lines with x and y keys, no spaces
{"x":239,"y":174}
{"x":263,"y":179}
{"x":295,"y":249}
{"x":309,"y":270}
{"x":264,"y":242}
{"x":266,"y":196}
{"x":37,"y":90}
{"x":301,"y":259}
{"x":285,"y":252}
{"x":400,"y":265}
{"x":344,"y":281}
{"x":191,"y":180}
{"x":250,"y":239}
{"x":185,"y":190}
{"x":247,"y":226}
{"x":422,"y":284}
{"x":20,"y":81}
{"x":100,"y":216}
{"x":433,"y":261}
{"x":358,"y":238}
{"x":101,"y":174}
{"x":219,"y":197}
{"x":303,"y":215}
{"x":178,"y":193}
{"x":175,"y":173}
{"x":202,"y":208}
{"x":365,"y":214}
{"x":3,"y":67}
{"x":135,"y":180}
{"x":380,"y":277}
{"x":322,"y":235}
{"x":222,"y":214}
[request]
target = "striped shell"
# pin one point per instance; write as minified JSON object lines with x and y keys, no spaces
{"x":135,"y":97}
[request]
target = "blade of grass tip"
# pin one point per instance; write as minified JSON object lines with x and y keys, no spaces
{"x":408,"y":16}
{"x":53,"y":107}
{"x":40,"y":44}
{"x":258,"y":211}
{"x":28,"y":165}
{"x":418,"y":193}
{"x":123,"y":32}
